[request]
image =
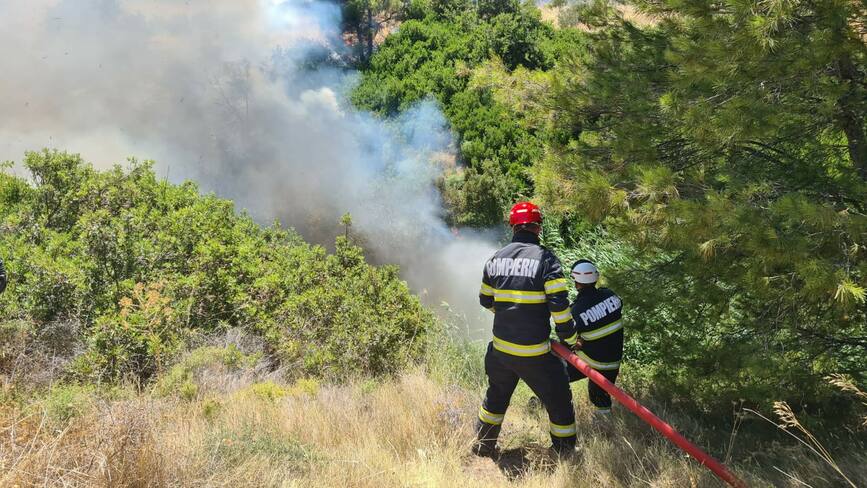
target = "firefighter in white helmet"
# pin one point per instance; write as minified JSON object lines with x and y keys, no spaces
{"x":597,"y":314}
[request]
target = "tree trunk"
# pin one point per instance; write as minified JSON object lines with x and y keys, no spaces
{"x":853,"y":127}
{"x":359,"y":34}
{"x":371,"y":31}
{"x":851,"y":115}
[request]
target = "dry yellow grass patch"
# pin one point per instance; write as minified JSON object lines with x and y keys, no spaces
{"x":630,"y":13}
{"x":409,"y":431}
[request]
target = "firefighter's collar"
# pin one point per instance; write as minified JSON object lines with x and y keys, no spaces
{"x":526,"y":237}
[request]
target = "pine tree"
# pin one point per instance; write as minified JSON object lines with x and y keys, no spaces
{"x":726,"y":141}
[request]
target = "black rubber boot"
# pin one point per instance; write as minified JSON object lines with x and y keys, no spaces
{"x":486,"y":442}
{"x":563,"y":447}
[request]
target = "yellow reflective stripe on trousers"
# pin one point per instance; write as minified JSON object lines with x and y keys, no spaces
{"x":519,"y":296}
{"x":558,"y":285}
{"x":597,"y":364}
{"x":486,"y":290}
{"x":521,"y":349}
{"x":563,"y":430}
{"x":490,"y":418}
{"x":562,"y":317}
{"x":603,"y":331}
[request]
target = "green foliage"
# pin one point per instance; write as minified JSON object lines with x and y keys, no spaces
{"x":65,"y":402}
{"x":324,"y":328}
{"x":235,"y":446}
{"x":726,"y":158}
{"x":451,"y":359}
{"x":489,"y":134}
{"x":144,"y":265}
{"x":436,"y":56}
{"x":272,"y":392}
{"x":488,"y":9}
{"x":184,"y":376}
{"x":477,"y":197}
{"x":137,"y":340}
{"x":305,"y":386}
{"x":422,"y":58}
{"x":269,"y":391}
{"x":211,"y":408}
{"x":444,"y":9}
{"x":515,"y":38}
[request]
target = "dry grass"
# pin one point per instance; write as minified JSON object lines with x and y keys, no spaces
{"x":630,"y":13}
{"x":410,"y":431}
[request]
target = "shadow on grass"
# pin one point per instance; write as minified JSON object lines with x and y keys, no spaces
{"x":518,"y":462}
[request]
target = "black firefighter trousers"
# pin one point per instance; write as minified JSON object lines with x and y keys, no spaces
{"x":598,"y":397}
{"x":546,"y":376}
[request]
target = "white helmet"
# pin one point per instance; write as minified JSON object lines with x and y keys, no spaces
{"x":585,"y":272}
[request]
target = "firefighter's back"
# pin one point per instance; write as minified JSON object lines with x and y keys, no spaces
{"x":598,"y":316}
{"x":521,"y":315}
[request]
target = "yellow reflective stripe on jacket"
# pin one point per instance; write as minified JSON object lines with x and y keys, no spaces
{"x":603,"y":331}
{"x":519,"y":296}
{"x":562,"y":317}
{"x":572,"y":340}
{"x":521,"y":349}
{"x":490,"y":418}
{"x":486,"y":290}
{"x":563,"y":430}
{"x":597,"y":364}
{"x":557,"y":285}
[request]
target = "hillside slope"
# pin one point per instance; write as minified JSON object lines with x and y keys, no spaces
{"x":218,"y":419}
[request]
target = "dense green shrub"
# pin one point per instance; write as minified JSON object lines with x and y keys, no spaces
{"x":477,"y":197}
{"x":354,"y":318}
{"x":436,"y":56}
{"x":144,"y":265}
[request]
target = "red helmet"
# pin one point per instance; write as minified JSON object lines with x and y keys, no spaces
{"x":525,"y":213}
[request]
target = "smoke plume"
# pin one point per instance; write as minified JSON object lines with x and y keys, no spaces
{"x":222,"y":92}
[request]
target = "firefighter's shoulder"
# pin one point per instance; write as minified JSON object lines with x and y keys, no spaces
{"x":607,"y":291}
{"x":583,"y":301}
{"x":548,"y":255}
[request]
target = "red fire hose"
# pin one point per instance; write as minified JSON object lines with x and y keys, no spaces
{"x":663,"y":428}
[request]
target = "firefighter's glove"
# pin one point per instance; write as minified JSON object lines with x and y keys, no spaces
{"x":574,"y":343}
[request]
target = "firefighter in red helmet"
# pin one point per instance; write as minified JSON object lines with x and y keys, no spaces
{"x":523,"y":284}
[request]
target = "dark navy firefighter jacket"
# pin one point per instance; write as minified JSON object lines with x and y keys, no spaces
{"x":597,"y":314}
{"x":523,"y":285}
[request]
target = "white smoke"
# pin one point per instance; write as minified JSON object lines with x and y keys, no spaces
{"x":221,"y":92}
